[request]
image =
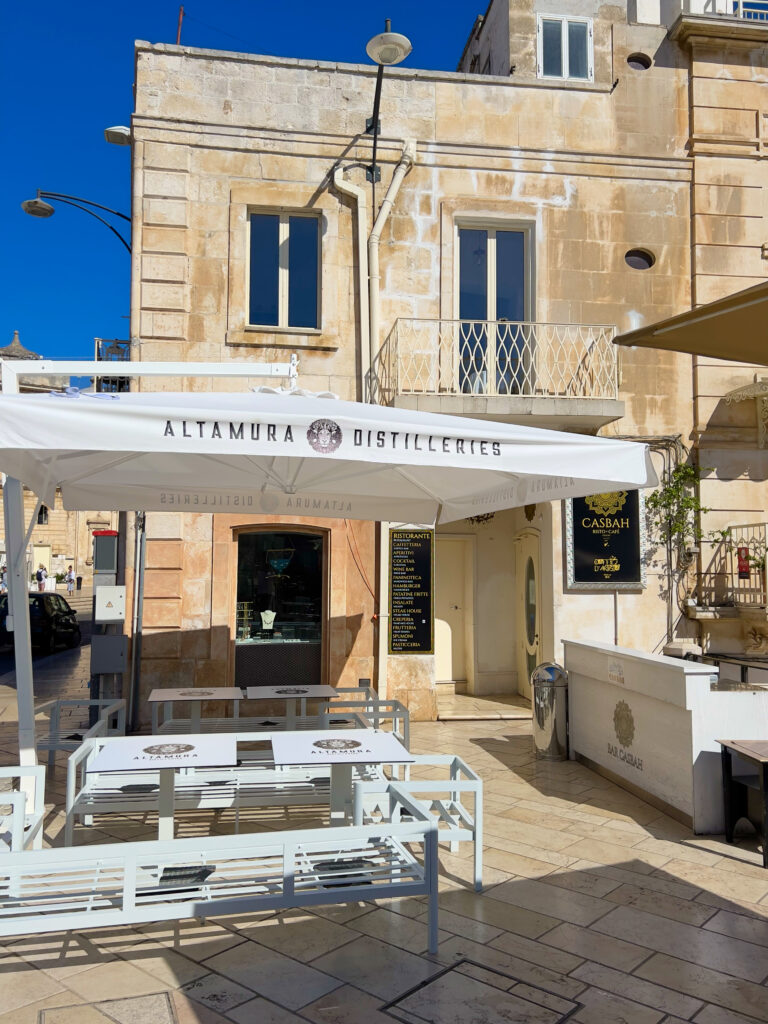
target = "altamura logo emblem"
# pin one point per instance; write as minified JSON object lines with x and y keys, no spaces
{"x":324,"y":436}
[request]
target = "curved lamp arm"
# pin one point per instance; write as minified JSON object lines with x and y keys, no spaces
{"x":69,"y":202}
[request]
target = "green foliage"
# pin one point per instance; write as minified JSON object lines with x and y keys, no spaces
{"x":674,"y":510}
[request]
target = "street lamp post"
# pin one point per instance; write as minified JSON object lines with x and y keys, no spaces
{"x":38,"y":207}
{"x":386,"y":49}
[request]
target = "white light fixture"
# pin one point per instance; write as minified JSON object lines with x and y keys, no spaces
{"x":118,"y":135}
{"x":388,"y":48}
{"x":37,"y":208}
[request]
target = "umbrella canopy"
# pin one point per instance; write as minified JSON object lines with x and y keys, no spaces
{"x":735,"y":327}
{"x":293,"y":454}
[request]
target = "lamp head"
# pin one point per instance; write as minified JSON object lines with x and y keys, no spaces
{"x":37,"y":208}
{"x":388,"y":48}
{"x":118,"y":135}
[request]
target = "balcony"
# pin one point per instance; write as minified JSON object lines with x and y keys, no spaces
{"x":550,"y":375}
{"x":730,"y":580}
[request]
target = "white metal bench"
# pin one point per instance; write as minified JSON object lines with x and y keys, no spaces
{"x":254,"y":782}
{"x":444,"y":798}
{"x":22,"y":829}
{"x":66,"y":716}
{"x":131,"y":883}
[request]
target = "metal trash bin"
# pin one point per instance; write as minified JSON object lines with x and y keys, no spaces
{"x":79,"y":581}
{"x":549,"y":682}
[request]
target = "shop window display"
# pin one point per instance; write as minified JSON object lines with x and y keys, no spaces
{"x":278,"y":626}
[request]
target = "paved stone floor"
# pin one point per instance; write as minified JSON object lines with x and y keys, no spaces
{"x":596,"y":908}
{"x":458,"y":707}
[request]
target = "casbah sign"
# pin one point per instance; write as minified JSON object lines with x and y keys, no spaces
{"x":605,"y":541}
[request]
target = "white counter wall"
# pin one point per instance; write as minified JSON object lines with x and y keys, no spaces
{"x":652,"y":723}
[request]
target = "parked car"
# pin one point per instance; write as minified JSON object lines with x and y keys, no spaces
{"x":52,"y":622}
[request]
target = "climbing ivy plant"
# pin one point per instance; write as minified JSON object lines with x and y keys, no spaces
{"x":674,"y":511}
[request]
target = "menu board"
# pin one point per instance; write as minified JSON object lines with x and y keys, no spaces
{"x":605,"y":541}
{"x":411,"y":576}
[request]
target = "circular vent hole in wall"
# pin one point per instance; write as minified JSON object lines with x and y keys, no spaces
{"x":639,"y":259}
{"x":639,"y":61}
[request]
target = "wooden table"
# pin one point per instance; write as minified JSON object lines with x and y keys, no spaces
{"x":292,"y":694}
{"x":165,"y":756}
{"x":341,"y":752}
{"x":737,"y":787}
{"x":195,"y":695}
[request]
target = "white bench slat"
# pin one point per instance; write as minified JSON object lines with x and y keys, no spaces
{"x":62,"y":889}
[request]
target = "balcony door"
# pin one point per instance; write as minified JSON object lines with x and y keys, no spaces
{"x":494,"y":289}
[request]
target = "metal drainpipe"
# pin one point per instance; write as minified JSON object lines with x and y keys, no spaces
{"x":406,"y":161}
{"x":358,"y":194}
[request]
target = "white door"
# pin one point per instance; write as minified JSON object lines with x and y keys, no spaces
{"x":450,"y":611}
{"x":529,"y":604}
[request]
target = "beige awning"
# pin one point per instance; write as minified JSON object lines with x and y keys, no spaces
{"x":735,"y":327}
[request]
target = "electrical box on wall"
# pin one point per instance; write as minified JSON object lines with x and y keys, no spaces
{"x":105,"y":557}
{"x":109,"y":654}
{"x":109,"y":604}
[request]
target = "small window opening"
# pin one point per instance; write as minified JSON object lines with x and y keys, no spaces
{"x":639,"y":61}
{"x":639,"y":259}
{"x":42,"y":516}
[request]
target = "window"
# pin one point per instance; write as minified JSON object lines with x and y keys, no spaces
{"x":639,"y":259}
{"x":564,"y":48}
{"x":42,"y":516}
{"x":279,"y":614}
{"x":494,"y":304}
{"x":284,"y":289}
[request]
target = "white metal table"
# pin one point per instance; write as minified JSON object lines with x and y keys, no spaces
{"x":195,"y":695}
{"x":166,"y":757}
{"x":292,"y":694}
{"x":341,"y":752}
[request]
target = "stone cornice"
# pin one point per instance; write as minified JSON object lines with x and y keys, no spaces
{"x":722,"y":28}
{"x":369,"y":70}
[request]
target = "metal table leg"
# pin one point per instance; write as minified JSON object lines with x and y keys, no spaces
{"x":341,"y":790}
{"x":165,"y":804}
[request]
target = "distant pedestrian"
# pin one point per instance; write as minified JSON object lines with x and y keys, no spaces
{"x":4,"y":580}
{"x":70,"y":578}
{"x":41,"y":576}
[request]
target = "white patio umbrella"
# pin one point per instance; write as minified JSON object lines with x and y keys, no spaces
{"x":292,"y":453}
{"x":277,"y":454}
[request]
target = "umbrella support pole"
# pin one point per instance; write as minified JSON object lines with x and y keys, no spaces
{"x":18,"y":603}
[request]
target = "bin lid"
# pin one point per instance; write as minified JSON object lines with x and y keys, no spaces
{"x":549,"y":673}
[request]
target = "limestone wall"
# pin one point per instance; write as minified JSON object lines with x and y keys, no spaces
{"x":591,"y":170}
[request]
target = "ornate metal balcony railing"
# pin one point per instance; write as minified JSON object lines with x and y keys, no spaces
{"x":724,"y":581}
{"x":751,"y":10}
{"x":494,"y":357}
{"x":112,"y":350}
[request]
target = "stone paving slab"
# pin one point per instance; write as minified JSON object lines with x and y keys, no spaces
{"x":596,"y":908}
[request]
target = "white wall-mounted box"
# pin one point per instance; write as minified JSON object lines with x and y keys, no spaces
{"x":109,"y":604}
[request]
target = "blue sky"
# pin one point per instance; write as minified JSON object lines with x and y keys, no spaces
{"x":67,"y":73}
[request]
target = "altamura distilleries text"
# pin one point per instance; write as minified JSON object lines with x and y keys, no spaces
{"x":281,"y":433}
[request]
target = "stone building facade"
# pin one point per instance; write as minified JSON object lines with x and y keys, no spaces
{"x":560,"y":196}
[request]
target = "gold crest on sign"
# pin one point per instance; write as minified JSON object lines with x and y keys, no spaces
{"x":608,"y":503}
{"x":624,"y":723}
